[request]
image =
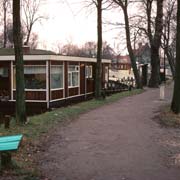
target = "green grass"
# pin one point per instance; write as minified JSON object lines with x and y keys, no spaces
{"x":39,"y":125}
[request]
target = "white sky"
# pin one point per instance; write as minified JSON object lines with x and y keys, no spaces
{"x":68,"y":21}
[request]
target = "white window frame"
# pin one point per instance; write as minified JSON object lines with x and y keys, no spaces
{"x":14,"y":80}
{"x":77,"y":67}
{"x":87,"y":70}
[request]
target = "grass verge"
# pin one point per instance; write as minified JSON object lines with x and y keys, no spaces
{"x":39,"y":125}
{"x":168,"y":119}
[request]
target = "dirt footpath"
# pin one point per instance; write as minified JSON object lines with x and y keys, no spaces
{"x":120,"y":141}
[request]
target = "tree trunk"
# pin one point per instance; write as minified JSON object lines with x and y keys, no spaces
{"x":155,"y":45}
{"x":130,"y":50}
{"x":175,"y":105}
{"x":5,"y":23}
{"x":155,"y":67}
{"x":20,"y":94}
{"x":99,"y":51}
{"x":171,"y":61}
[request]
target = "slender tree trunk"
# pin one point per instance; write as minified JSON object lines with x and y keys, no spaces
{"x":167,"y":35}
{"x":175,"y":105}
{"x":171,"y":61}
{"x":155,"y":45}
{"x":28,"y":36}
{"x":99,"y":51}
{"x":5,"y":23}
{"x":20,"y":94}
{"x":130,"y":50}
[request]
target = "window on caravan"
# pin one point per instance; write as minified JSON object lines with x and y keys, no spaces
{"x":57,"y":76}
{"x":88,"y":71}
{"x":34,"y":76}
{"x":73,"y":76}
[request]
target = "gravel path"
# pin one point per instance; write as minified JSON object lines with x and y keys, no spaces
{"x":119,"y":141}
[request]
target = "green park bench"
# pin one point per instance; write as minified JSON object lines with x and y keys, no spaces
{"x":7,"y":145}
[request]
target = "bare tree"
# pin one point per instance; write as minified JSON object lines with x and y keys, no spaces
{"x":175,"y":105}
{"x":33,"y":41}
{"x":20,"y":94}
{"x":90,"y":49}
{"x":98,"y":73}
{"x":123,"y":4}
{"x":107,"y":51}
{"x":6,"y":8}
{"x":70,"y":50}
{"x":169,"y":33}
{"x":9,"y":36}
{"x":154,"y":34}
{"x":31,"y":14}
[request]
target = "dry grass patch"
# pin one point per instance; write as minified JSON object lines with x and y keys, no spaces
{"x":168,"y":118}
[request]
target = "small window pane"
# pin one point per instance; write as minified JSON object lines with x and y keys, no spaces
{"x":73,"y":76}
{"x":88,"y":71}
{"x":56,"y":77}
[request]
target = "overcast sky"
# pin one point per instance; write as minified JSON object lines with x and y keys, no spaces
{"x":69,"y":21}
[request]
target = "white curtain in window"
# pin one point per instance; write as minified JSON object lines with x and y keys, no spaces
{"x":34,"y":69}
{"x":35,"y":77}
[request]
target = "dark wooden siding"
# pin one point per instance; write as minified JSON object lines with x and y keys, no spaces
{"x":8,"y":108}
{"x":56,"y":63}
{"x":73,"y":91}
{"x":5,"y":82}
{"x":90,"y":85}
{"x":56,"y":94}
{"x":33,"y":95}
{"x":82,"y":78}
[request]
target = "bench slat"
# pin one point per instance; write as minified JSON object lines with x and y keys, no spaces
{"x":10,"y":138}
{"x":9,"y":146}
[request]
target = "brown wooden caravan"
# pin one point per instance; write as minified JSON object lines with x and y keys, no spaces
{"x":50,"y":80}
